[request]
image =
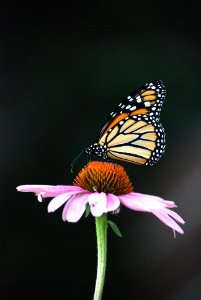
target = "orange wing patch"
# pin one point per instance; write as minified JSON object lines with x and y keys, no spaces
{"x":122,"y":139}
{"x":148,"y":92}
{"x":146,"y":144}
{"x":126,"y":150}
{"x":142,"y":111}
{"x":149,"y":97}
{"x":116,"y":121}
{"x":128,"y":158}
{"x":135,"y":126}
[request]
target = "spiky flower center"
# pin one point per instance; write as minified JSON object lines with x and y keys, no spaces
{"x":104,"y":177}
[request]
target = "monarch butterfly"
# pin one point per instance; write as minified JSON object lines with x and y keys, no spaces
{"x":133,"y":132}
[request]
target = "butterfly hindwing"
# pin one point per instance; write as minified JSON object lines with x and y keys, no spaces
{"x":139,"y":142}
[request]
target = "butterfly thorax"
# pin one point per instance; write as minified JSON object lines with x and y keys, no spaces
{"x":97,"y":149}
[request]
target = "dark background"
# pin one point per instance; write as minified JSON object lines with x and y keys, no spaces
{"x":63,"y":70}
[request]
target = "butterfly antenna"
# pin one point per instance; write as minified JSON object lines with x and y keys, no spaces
{"x":76,"y":160}
{"x":88,"y":156}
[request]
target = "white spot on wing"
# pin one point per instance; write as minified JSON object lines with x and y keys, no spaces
{"x":147,"y":104}
{"x":133,"y":108}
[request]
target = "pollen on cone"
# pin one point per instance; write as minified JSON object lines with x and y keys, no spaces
{"x":104,"y":177}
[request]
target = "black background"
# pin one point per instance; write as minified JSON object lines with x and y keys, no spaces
{"x":64,"y":68}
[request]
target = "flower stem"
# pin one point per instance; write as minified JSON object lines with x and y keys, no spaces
{"x":101,"y":234}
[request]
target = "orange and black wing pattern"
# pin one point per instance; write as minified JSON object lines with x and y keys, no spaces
{"x":133,"y":132}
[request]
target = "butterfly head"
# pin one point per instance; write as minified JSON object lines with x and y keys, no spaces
{"x":97,"y":149}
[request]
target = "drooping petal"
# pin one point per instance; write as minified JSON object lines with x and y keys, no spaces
{"x":49,"y":190}
{"x":98,"y":204}
{"x":112,"y":202}
{"x":163,"y":217}
{"x":154,"y":205}
{"x":174,"y":215}
{"x":58,"y":201}
{"x":75,"y":207}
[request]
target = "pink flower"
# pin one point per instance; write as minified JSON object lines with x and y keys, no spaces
{"x":107,"y":187}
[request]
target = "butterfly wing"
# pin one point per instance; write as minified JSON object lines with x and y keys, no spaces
{"x":135,"y":141}
{"x":133,"y":132}
{"x":146,"y":100}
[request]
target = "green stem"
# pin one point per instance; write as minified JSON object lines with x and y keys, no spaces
{"x":101,"y":234}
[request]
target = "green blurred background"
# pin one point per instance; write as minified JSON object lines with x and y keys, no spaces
{"x":63,"y":70}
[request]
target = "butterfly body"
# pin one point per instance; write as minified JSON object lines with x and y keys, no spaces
{"x":133,"y":131}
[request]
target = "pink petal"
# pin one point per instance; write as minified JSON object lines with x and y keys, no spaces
{"x":112,"y":202}
{"x":174,"y":215}
{"x":142,"y":202}
{"x":152,"y":198}
{"x":98,"y":204}
{"x":163,"y":217}
{"x":58,"y":201}
{"x":75,"y":207}
{"x":155,"y":205}
{"x":170,"y":204}
{"x":49,"y":190}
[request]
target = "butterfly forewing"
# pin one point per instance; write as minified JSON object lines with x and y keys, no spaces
{"x":146,"y":100}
